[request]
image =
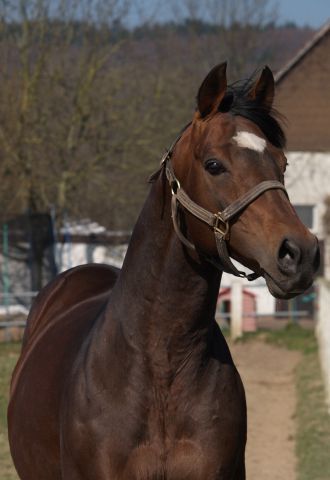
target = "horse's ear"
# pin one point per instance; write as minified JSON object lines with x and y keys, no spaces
{"x":212,"y":90}
{"x":264,"y":89}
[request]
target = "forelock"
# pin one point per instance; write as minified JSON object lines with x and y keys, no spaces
{"x":238,"y":102}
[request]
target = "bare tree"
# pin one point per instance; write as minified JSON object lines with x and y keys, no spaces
{"x":88,"y":105}
{"x":57,"y":51}
{"x":236,"y":26}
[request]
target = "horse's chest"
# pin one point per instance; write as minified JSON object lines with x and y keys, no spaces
{"x":185,"y":459}
{"x":188,"y":447}
{"x":184,"y":433}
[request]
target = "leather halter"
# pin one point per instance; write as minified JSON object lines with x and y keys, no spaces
{"x":219,"y":221}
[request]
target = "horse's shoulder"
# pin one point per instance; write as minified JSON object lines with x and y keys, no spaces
{"x":67,"y":290}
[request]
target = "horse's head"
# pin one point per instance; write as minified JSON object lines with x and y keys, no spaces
{"x":234,"y":144}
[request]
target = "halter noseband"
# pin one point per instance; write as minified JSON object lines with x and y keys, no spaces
{"x":220,"y":221}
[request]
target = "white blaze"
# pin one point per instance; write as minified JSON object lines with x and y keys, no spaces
{"x":250,"y":140}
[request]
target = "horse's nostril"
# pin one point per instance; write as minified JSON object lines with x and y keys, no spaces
{"x":317,"y":258}
{"x":289,"y":256}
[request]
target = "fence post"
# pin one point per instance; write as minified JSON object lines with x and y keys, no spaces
{"x":5,"y":267}
{"x":236,"y":320}
{"x":323,"y":332}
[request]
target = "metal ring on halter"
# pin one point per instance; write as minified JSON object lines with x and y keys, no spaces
{"x":175,"y":186}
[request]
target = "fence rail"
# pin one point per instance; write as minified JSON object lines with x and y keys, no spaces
{"x":282,"y":314}
{"x":10,"y":295}
{"x":15,"y":306}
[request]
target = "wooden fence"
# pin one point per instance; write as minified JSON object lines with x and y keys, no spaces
{"x":323,"y":331}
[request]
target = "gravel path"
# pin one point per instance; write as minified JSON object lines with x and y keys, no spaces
{"x":268,"y":376}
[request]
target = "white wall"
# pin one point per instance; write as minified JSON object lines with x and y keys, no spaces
{"x":323,"y":332}
{"x":307,"y":180}
{"x":264,"y":300}
{"x":70,"y":255}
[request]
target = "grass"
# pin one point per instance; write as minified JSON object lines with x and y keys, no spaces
{"x":293,"y":337}
{"x":313,"y":435}
{"x":312,"y":418}
{"x":8,"y":357}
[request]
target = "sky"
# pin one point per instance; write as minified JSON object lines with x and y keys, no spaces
{"x":304,"y":12}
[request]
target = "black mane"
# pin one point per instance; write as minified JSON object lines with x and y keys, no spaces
{"x":238,"y":102}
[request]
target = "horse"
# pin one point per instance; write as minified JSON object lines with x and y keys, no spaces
{"x":126,"y":375}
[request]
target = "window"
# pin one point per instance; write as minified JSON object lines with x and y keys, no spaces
{"x":306,"y":214}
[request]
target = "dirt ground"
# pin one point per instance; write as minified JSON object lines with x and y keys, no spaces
{"x":267,"y":373}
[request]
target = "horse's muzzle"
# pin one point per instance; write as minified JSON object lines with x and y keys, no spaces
{"x":297,"y":263}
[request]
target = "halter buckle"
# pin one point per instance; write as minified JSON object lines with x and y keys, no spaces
{"x":220,"y":226}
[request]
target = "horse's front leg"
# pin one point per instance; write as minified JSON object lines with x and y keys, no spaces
{"x":241,"y":473}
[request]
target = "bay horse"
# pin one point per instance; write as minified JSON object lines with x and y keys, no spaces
{"x":126,"y":376}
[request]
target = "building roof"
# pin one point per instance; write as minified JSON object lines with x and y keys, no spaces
{"x":227,"y":290}
{"x":303,"y":95}
{"x":303,"y":52}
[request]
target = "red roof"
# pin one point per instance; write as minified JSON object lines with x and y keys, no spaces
{"x":224,"y":291}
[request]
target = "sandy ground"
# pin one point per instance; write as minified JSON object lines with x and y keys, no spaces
{"x":267,"y":373}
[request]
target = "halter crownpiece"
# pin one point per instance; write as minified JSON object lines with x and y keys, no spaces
{"x":219,"y":221}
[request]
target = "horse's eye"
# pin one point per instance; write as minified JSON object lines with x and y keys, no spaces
{"x":214,"y":167}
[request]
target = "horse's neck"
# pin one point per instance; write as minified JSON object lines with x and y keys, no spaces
{"x":163,"y":297}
